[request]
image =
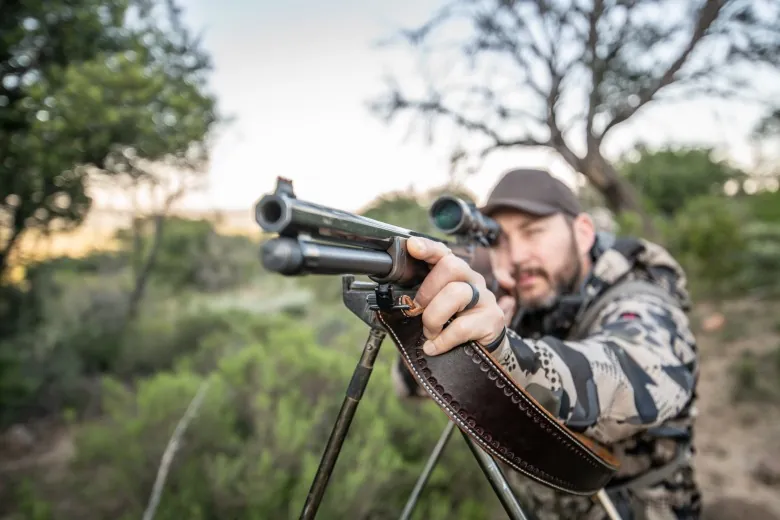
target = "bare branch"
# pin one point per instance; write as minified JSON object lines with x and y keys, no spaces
{"x":707,"y":15}
{"x":396,"y":104}
{"x":172,"y":447}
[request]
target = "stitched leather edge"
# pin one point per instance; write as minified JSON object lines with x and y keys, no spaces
{"x":462,"y":418}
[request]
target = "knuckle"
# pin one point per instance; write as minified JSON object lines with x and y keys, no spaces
{"x":458,"y":330}
{"x":427,"y":319}
{"x":455,"y":264}
{"x":428,"y":333}
{"x":430,"y":317}
{"x":496,"y":308}
{"x":438,"y":249}
{"x":487,"y":297}
{"x":499,"y":316}
{"x":463,"y":291}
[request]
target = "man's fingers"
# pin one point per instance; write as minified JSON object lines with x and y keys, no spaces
{"x":476,"y":326}
{"x":508,"y":306}
{"x":430,"y":251}
{"x":451,"y":300}
{"x":450,"y":268}
{"x":504,"y":279}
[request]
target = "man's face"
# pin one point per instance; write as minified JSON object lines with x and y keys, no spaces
{"x":541,"y":254}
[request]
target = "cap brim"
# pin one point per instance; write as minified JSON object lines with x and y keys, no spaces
{"x":531,"y":207}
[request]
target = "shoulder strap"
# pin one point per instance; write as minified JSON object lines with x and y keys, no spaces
{"x":584,"y":322}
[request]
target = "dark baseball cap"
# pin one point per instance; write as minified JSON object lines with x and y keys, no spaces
{"x":535,"y":192}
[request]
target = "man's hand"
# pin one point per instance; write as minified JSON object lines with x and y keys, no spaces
{"x":443,"y":293}
{"x":508,"y":304}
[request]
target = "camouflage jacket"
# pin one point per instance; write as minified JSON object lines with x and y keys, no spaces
{"x":628,"y":381}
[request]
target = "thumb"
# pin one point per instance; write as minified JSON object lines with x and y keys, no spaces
{"x":504,"y":279}
{"x":508,"y":306}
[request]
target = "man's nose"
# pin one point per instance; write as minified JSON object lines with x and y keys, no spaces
{"x":520,"y":254}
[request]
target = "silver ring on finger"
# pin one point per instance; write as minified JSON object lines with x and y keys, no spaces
{"x":474,"y":297}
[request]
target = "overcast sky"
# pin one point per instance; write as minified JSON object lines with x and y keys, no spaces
{"x":296,"y":74}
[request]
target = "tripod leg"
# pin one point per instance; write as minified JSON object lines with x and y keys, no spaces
{"x":497,"y":480}
{"x":432,"y":460}
{"x":607,"y":504}
{"x":352,"y":398}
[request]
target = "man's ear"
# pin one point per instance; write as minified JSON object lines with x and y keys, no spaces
{"x":584,"y":232}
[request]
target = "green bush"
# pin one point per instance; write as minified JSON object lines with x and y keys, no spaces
{"x":706,"y":236}
{"x":669,"y":178}
{"x":760,"y":273}
{"x":82,"y":333}
{"x":729,"y":246}
{"x":254,"y":447}
{"x":192,"y":255}
{"x":77,"y":336}
{"x":763,"y":206}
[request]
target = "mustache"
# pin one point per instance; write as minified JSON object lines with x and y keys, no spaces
{"x":517,"y":272}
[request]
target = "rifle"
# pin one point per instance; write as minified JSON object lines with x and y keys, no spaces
{"x":497,"y":418}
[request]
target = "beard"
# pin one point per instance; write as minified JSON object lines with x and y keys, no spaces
{"x":562,"y":282}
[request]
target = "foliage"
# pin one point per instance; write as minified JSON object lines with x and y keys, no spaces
{"x":91,"y":84}
{"x":763,"y":206}
{"x":762,"y":259}
{"x":728,"y":246}
{"x":192,"y":255}
{"x":69,"y":325}
{"x":706,"y":237}
{"x":256,"y":442}
{"x":666,"y":179}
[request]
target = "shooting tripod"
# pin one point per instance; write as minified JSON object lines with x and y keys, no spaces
{"x":359,"y":298}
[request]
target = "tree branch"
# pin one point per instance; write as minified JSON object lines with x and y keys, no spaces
{"x":172,"y":447}
{"x":707,"y":15}
{"x":397,"y":103}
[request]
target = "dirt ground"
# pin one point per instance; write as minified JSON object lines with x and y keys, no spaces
{"x":738,"y":460}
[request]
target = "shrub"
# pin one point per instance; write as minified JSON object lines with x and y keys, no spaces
{"x":706,"y":237}
{"x":254,"y":447}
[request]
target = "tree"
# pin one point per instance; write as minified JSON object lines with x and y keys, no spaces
{"x":165,"y":184}
{"x":769,"y":125}
{"x":667,"y":178}
{"x":564,"y":75}
{"x":92,"y":86}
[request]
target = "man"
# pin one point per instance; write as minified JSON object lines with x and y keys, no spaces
{"x":612,"y":356}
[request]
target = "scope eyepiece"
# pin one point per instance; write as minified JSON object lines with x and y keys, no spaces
{"x":449,"y":214}
{"x":455,"y":216}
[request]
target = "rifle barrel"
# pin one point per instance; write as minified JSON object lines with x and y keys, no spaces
{"x":289,"y":216}
{"x":290,"y":256}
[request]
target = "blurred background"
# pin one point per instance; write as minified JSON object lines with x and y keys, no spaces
{"x":136,"y":136}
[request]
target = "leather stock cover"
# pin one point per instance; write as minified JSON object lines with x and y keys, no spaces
{"x":503,"y":419}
